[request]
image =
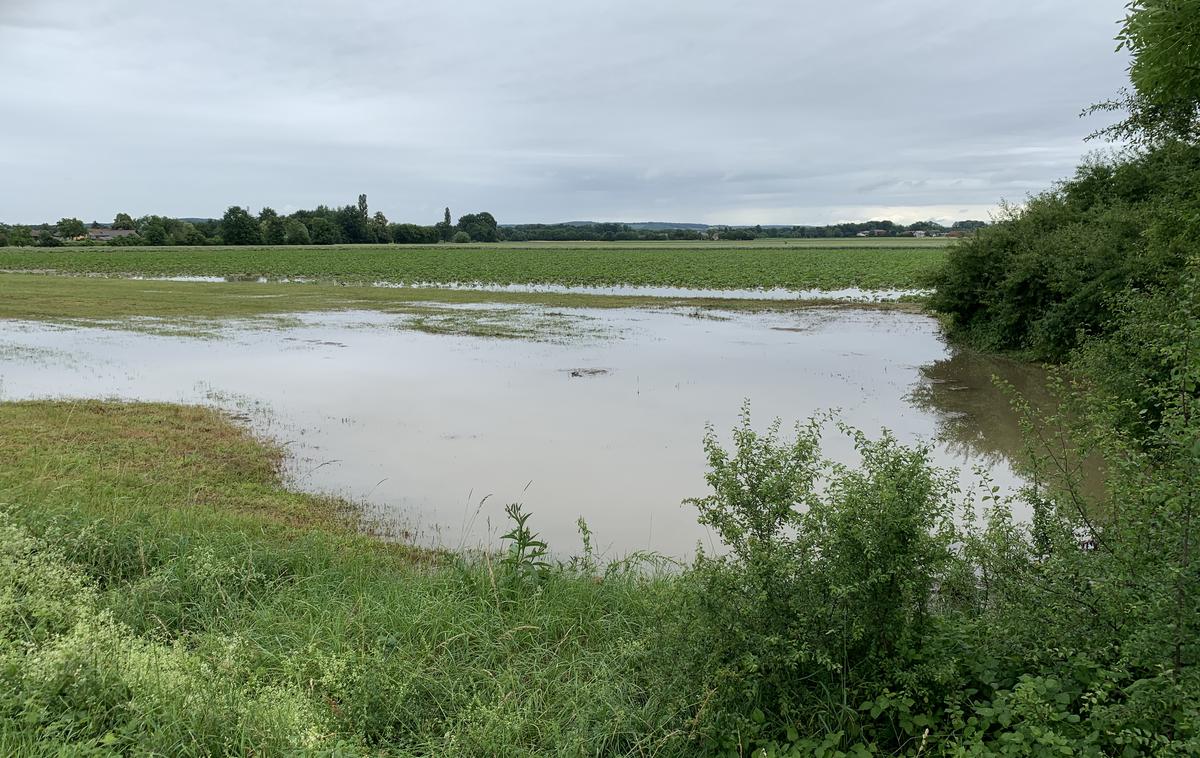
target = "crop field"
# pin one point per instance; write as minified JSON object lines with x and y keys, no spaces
{"x":852,"y":263}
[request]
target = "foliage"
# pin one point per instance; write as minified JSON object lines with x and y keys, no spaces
{"x":825,"y":597}
{"x":48,"y":239}
{"x":272,"y":228}
{"x":479,"y":227}
{"x":1049,"y":273}
{"x":1163,"y":39}
{"x":460,"y":238}
{"x":324,"y":232}
{"x":161,"y":592}
{"x":862,"y":263}
{"x":412,"y":234}
{"x":296,"y":233}
{"x":238,"y":227}
{"x":524,"y":560}
{"x":70,"y":228}
{"x":19,"y":236}
{"x":647,"y":232}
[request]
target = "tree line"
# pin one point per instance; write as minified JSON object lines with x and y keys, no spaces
{"x":348,"y":224}
{"x":355,"y":224}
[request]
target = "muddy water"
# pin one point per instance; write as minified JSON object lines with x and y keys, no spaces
{"x":438,"y":432}
{"x":846,"y":294}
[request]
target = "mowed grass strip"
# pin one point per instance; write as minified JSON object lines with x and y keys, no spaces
{"x":744,"y":266}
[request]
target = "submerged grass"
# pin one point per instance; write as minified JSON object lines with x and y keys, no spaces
{"x":198,"y":308}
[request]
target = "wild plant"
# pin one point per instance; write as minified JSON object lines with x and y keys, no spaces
{"x":524,"y":562}
{"x":827,"y":586}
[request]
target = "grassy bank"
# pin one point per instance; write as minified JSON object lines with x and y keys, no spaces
{"x":708,"y":266}
{"x":163,"y":593}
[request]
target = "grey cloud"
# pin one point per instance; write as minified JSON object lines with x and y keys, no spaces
{"x":766,"y":111}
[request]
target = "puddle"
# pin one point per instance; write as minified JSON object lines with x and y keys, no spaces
{"x":439,"y":431}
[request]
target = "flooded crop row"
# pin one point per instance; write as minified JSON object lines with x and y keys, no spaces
{"x":844,"y":294}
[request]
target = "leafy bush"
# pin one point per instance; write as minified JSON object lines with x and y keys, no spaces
{"x":1049,"y":273}
{"x":829,"y":589}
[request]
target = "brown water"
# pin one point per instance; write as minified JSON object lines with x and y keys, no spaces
{"x":438,"y":432}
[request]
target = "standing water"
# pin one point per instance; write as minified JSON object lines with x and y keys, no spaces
{"x":437,"y":432}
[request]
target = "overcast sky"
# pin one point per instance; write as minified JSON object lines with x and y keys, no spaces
{"x":757,"y":111}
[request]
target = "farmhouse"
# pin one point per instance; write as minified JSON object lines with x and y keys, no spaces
{"x":105,"y":234}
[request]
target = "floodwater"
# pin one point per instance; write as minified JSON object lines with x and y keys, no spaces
{"x":437,"y":432}
{"x":845,"y":294}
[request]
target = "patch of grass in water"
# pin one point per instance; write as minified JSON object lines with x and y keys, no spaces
{"x":503,"y":323}
{"x":196,"y":308}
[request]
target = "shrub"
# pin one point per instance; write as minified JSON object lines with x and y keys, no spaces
{"x":828,"y":589}
{"x":1049,"y":273}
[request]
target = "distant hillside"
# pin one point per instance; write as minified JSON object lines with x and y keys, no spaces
{"x":658,"y":226}
{"x":650,"y":226}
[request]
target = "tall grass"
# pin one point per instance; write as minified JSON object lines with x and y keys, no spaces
{"x":161,"y":593}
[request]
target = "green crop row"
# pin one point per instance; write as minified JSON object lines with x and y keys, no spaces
{"x":744,"y":267}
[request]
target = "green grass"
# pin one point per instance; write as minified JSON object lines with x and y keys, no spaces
{"x":198,"y":307}
{"x":791,"y":264}
{"x":162,"y":593}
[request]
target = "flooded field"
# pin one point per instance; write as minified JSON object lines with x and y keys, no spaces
{"x":436,"y":432}
{"x":845,"y":294}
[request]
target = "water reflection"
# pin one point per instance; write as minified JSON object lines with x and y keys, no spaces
{"x":973,"y":393}
{"x":607,"y":427}
{"x":976,"y":416}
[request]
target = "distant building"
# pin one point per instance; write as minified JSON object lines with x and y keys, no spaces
{"x":918,"y":233}
{"x":105,"y":234}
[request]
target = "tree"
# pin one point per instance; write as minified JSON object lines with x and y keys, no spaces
{"x":362,"y":207}
{"x":154,"y":231}
{"x":47,"y":239}
{"x":461,"y":237}
{"x":445,"y":228}
{"x":352,"y":225}
{"x":274,"y":229}
{"x":129,"y":240}
{"x":379,"y":228}
{"x":323,"y":232}
{"x":968,"y":225}
{"x":480,"y":227}
{"x":412,"y":234}
{"x":188,"y":234}
{"x":238,"y":227}
{"x":71,"y":228}
{"x":19,"y":236}
{"x":296,"y":233}
{"x":1163,"y":39}
{"x":123,"y":221}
